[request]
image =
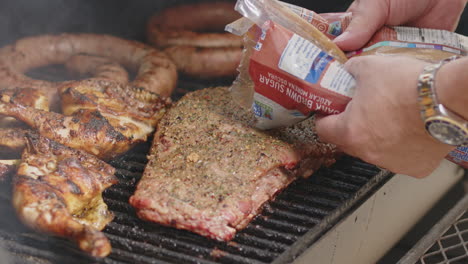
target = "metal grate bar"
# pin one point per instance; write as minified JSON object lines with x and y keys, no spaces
{"x":281,"y":225}
{"x":158,"y":240}
{"x":309,"y":209}
{"x":247,"y":239}
{"x":342,"y":176}
{"x":126,"y":175}
{"x":270,"y":234}
{"x":302,"y":206}
{"x":289,"y":216}
{"x":446,"y":242}
{"x":301,"y":197}
{"x":323,"y":191}
{"x":140,"y":249}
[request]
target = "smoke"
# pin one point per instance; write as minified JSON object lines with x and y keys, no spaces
{"x":4,"y":256}
{"x":123,"y":18}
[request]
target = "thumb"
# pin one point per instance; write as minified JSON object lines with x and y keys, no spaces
{"x":368,"y":17}
{"x":331,"y":129}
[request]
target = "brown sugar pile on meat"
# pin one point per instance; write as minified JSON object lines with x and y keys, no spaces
{"x":210,"y":171}
{"x":192,"y":36}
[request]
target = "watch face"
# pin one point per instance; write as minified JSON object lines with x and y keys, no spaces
{"x":446,"y":132}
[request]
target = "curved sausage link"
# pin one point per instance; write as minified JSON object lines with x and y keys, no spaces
{"x":188,"y":35}
{"x":155,"y":71}
{"x":97,"y":67}
{"x":194,"y":25}
{"x":205,"y":63}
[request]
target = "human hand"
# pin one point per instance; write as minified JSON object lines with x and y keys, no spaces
{"x":371,"y":15}
{"x":382,"y":124}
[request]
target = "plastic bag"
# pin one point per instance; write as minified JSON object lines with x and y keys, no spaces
{"x":290,"y":67}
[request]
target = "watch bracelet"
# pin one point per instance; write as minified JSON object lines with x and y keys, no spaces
{"x":427,"y":96}
{"x":426,"y":100}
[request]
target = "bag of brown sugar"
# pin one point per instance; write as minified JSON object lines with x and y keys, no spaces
{"x":290,"y":67}
{"x":291,"y":70}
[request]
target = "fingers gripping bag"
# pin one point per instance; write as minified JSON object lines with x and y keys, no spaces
{"x":431,"y":45}
{"x":426,"y":44}
{"x":290,"y":67}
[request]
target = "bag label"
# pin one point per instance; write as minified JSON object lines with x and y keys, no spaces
{"x":293,"y":78}
{"x":298,"y":57}
{"x":409,"y":37}
{"x":431,"y":36}
{"x":459,"y":156}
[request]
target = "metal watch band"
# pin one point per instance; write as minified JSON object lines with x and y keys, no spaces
{"x":427,"y":95}
{"x":435,"y":114}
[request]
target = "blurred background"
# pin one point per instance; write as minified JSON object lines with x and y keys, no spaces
{"x":19,"y":18}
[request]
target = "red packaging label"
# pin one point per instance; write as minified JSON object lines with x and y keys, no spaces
{"x":293,"y":76}
{"x":330,"y":24}
{"x":459,"y":156}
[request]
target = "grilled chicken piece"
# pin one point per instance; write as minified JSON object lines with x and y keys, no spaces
{"x":132,"y":110}
{"x":58,"y":190}
{"x":86,"y":130}
{"x":104,"y":120}
{"x":24,"y":96}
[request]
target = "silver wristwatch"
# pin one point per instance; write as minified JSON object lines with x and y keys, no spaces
{"x":441,"y":123}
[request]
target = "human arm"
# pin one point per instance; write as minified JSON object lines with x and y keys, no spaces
{"x":382,"y":124}
{"x":371,"y":15}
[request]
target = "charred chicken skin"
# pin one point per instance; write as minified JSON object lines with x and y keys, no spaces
{"x":12,"y":133}
{"x":99,"y":123}
{"x":58,"y":189}
{"x":24,"y":96}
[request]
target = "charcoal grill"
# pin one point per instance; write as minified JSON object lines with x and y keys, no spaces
{"x":287,"y":226}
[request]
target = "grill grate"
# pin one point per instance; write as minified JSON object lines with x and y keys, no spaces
{"x":287,"y":225}
{"x":300,"y":208}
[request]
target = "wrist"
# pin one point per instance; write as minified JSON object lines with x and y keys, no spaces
{"x":440,"y":122}
{"x":452,"y":87}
